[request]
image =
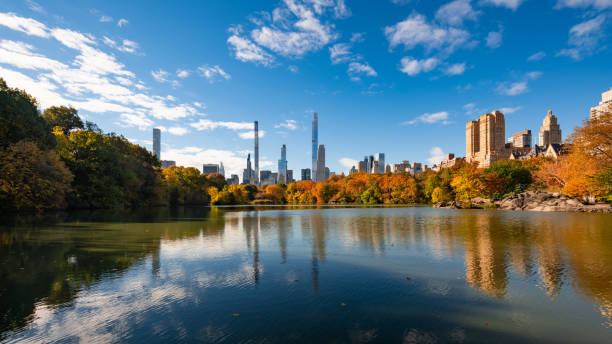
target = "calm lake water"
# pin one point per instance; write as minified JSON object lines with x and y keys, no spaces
{"x":299,"y":275}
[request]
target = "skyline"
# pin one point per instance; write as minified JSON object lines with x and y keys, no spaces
{"x":382,"y":84}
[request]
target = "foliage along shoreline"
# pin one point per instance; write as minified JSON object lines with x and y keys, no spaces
{"x":52,"y":160}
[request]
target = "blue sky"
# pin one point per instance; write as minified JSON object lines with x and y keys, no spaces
{"x":395,"y":76}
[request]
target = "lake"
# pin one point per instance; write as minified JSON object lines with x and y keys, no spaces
{"x":307,"y":275}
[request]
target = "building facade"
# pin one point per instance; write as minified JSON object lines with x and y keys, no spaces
{"x":604,"y":106}
{"x":380,"y":158}
{"x":167,"y":163}
{"x":221,"y":169}
{"x":157,"y":143}
{"x":404,"y":166}
{"x":305,"y":174}
{"x":290,"y":176}
{"x":521,"y":139}
{"x":247,"y":173}
{"x":282,"y":166}
{"x":315,"y":143}
{"x":485,"y":139}
{"x":320,"y":172}
{"x":210,"y":168}
{"x":256,"y":172}
{"x":550,"y":132}
{"x":233,"y":180}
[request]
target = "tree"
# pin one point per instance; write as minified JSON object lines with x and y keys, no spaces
{"x":20,"y":120}
{"x":64,"y":117}
{"x":467,"y":182}
{"x":506,"y":177}
{"x":32,"y":179}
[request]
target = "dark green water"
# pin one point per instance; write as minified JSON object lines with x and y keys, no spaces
{"x":340,"y":275}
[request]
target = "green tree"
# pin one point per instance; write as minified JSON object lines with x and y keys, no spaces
{"x":20,"y":119}
{"x":64,"y":117}
{"x":515,"y":177}
{"x":31,"y":178}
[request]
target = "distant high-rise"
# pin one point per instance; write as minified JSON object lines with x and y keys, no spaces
{"x":521,"y":139}
{"x":233,"y":180}
{"x":167,"y":163}
{"x":550,"y":133}
{"x":256,"y":181}
{"x":157,"y":143}
{"x":290,"y":176}
{"x":210,"y":168}
{"x":221,"y":168}
{"x":380,"y":157}
{"x":485,"y":139}
{"x":247,"y":174}
{"x":604,"y":106}
{"x":306,"y":174}
{"x":282,"y":166}
{"x":320,"y":164}
{"x":315,"y":144}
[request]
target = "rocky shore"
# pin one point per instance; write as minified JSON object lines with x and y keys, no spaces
{"x":531,"y":201}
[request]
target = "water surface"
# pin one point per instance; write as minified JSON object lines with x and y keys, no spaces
{"x":332,"y":275}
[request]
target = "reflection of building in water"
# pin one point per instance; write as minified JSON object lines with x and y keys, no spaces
{"x":155,"y":263}
{"x":251,"y":229}
{"x":550,"y":265}
{"x":485,"y":256}
{"x":284,"y":227}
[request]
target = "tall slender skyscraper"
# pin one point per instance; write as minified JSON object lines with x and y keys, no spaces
{"x":221,"y":169}
{"x":256,"y":153}
{"x":321,"y":176}
{"x":282,"y":166}
{"x":157,"y":143}
{"x":315,"y":144}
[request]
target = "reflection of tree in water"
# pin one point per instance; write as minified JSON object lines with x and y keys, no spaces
{"x":52,"y":265}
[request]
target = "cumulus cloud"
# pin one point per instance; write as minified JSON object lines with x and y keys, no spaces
{"x":584,"y":38}
{"x":293,"y":69}
{"x":597,"y":4}
{"x":36,"y":7}
{"x":518,"y":87}
{"x":430,"y":118}
{"x":510,"y":110}
{"x":246,"y":51}
{"x":289,"y":124}
{"x":357,"y":37}
{"x":340,"y":53}
{"x":105,"y":19}
{"x":494,"y":39}
{"x":456,"y":12}
{"x":355,"y":69}
{"x":511,"y":4}
{"x":348,"y":162}
{"x":436,"y":155}
{"x":412,"y":66}
{"x":250,"y":135}
{"x":537,"y":56}
{"x":416,"y":31}
{"x":233,"y":162}
{"x":455,"y":69}
{"x":93,"y":81}
{"x":182,"y":73}
{"x":207,"y":124}
{"x":122,"y":22}
{"x":125,"y":45}
{"x":213,"y":73}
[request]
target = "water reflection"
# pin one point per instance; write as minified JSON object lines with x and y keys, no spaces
{"x":163,"y":271}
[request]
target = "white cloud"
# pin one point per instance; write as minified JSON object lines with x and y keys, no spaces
{"x":126,"y":46}
{"x":436,"y":155}
{"x":511,"y":4}
{"x":182,"y":73}
{"x":340,"y":53}
{"x":455,"y":69}
{"x":356,"y":68}
{"x":246,"y":51}
{"x":293,"y":69}
{"x":179,"y":131}
{"x":341,"y":10}
{"x":213,"y":73}
{"x":585,"y":37}
{"x":456,"y":12}
{"x":206,"y":124}
{"x":106,"y":19}
{"x":537,"y":56}
{"x":28,"y":26}
{"x":122,"y":22}
{"x":510,"y":110}
{"x":358,"y":37}
{"x":415,"y":30}
{"x":494,"y":39}
{"x":136,"y":120}
{"x":34,"y":6}
{"x":348,"y":162}
{"x":430,"y":118}
{"x":518,"y":87}
{"x":413,"y":66}
{"x":598,"y":4}
{"x":21,"y":55}
{"x":250,"y":135}
{"x":289,"y":124}
{"x":513,"y":89}
{"x":160,"y":75}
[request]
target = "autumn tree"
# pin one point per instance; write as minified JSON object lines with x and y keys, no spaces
{"x":66,"y":118}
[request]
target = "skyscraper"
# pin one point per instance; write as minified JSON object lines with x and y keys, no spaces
{"x":485,"y":139}
{"x":282,"y":166}
{"x":157,"y":143}
{"x":247,"y":174}
{"x":221,"y":168}
{"x":320,"y":176}
{"x":380,"y":157}
{"x":256,"y":179}
{"x":550,"y":133}
{"x":210,"y":168}
{"x":305,"y":174}
{"x":315,"y":144}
